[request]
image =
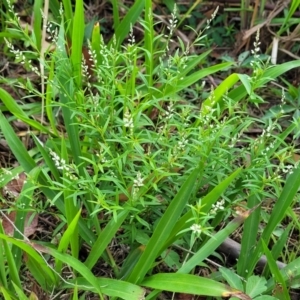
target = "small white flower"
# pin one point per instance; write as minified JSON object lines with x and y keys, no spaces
{"x":196,"y":228}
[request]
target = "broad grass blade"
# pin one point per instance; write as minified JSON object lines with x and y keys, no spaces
{"x":191,"y":284}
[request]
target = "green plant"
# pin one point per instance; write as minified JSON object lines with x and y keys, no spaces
{"x":137,"y":163}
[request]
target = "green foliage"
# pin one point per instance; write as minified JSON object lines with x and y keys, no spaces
{"x":128,"y":159}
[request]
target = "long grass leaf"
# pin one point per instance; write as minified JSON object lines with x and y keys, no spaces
{"x":164,"y":227}
{"x":37,"y":24}
{"x":16,"y":110}
{"x":77,"y":41}
{"x":104,"y":238}
{"x":270,"y":74}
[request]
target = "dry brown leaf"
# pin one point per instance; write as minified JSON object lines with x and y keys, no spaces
{"x":30,"y":226}
{"x":14,"y":187}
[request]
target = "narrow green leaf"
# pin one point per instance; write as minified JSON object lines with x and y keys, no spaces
{"x":124,"y":27}
{"x":19,"y":292}
{"x":68,"y":13}
{"x":76,"y":265}
{"x":16,"y":145}
{"x":290,"y":273}
{"x":48,"y":97}
{"x":116,"y":14}
{"x":193,"y":78}
{"x":71,"y":206}
{"x":278,"y":247}
{"x":245,"y":79}
{"x":270,"y":74}
{"x":28,"y":164}
{"x":3,"y":266}
{"x":16,"y":110}
{"x":249,"y":237}
{"x":47,"y":158}
{"x":193,"y":63}
{"x":112,"y":288}
{"x":5,"y":293}
{"x":130,"y":262}
{"x":22,"y":201}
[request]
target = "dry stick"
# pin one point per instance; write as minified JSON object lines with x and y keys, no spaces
{"x":233,"y":249}
{"x":272,"y":15}
{"x":254,"y":15}
{"x":254,"y":29}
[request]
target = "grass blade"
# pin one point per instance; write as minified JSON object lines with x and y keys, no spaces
{"x":104,"y":238}
{"x":124,"y":27}
{"x":77,"y":41}
{"x":275,"y":271}
{"x":112,"y":288}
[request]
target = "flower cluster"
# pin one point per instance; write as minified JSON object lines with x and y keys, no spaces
{"x":128,"y":120}
{"x":196,"y":228}
{"x":61,"y":165}
{"x":173,"y":22}
{"x":218,"y":206}
{"x":21,"y":58}
{"x":137,"y":184}
{"x":131,"y":38}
